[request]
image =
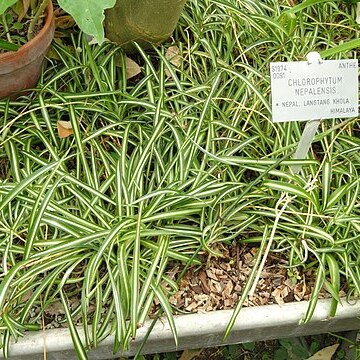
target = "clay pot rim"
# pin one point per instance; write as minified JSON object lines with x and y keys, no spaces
{"x":12,"y":55}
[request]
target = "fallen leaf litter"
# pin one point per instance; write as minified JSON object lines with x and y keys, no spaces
{"x":219,"y":284}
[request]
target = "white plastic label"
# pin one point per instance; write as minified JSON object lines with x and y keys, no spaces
{"x":318,"y":90}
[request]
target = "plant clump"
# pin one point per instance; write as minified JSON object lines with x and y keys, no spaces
{"x":182,"y":160}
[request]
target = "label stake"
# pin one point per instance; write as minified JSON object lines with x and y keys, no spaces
{"x":307,"y":137}
{"x":328,"y":89}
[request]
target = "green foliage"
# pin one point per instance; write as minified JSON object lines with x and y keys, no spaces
{"x":166,"y":166}
{"x":340,"y":49}
{"x":5,"y":45}
{"x":249,"y":346}
{"x":89,"y":15}
{"x":289,"y":19}
{"x":295,"y":348}
{"x":281,"y":354}
{"x":5,"y":4}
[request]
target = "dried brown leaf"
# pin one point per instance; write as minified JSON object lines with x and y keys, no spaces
{"x":55,"y":308}
{"x":173,"y":55}
{"x":64,"y":129}
{"x":228,"y":289}
{"x":277,"y":296}
{"x":132,"y":68}
{"x":218,"y":288}
{"x":21,"y":8}
{"x":26,"y":296}
{"x":64,"y":22}
{"x":190,"y":354}
{"x":325,"y":354}
{"x":192,"y":306}
{"x":196,"y":288}
{"x":204,"y":282}
{"x":211,"y":275}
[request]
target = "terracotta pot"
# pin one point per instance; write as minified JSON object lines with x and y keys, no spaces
{"x":21,"y":69}
{"x":144,"y":21}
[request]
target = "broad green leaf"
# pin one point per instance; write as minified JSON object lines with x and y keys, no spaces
{"x":342,"y":48}
{"x":306,"y":4}
{"x":5,"y":4}
{"x":5,"y":45}
{"x":89,"y":15}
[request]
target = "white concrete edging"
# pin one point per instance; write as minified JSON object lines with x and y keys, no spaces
{"x":201,"y":330}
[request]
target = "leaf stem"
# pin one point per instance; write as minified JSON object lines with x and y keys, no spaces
{"x":6,"y":28}
{"x":34,"y":20}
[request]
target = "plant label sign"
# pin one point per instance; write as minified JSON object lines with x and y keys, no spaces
{"x":321,"y":89}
